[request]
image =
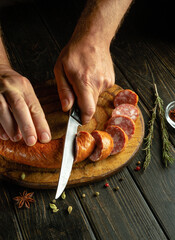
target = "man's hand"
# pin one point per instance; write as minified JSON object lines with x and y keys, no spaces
{"x":83,"y":70}
{"x":20,"y":112}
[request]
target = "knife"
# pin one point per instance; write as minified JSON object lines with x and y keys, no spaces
{"x":68,"y":153}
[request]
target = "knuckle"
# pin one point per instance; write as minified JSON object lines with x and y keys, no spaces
{"x":27,"y":129}
{"x":4,"y":83}
{"x":36,"y":110}
{"x":18,"y":103}
{"x":90,"y":111}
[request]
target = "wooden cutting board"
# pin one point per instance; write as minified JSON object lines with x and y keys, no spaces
{"x":83,"y":172}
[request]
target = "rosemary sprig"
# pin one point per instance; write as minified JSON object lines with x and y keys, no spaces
{"x":167,"y":156}
{"x":149,"y":137}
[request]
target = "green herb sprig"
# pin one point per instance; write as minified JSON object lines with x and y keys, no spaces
{"x":166,"y":154}
{"x":149,"y":137}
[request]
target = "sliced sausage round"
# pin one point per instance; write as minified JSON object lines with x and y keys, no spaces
{"x":125,"y":96}
{"x":127,"y":110}
{"x":104,"y":145}
{"x":85,"y":145}
{"x":120,"y":138}
{"x":124,"y":122}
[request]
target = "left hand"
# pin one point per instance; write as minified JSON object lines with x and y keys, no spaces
{"x":83,"y":69}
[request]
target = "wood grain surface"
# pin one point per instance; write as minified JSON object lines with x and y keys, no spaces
{"x":83,"y":172}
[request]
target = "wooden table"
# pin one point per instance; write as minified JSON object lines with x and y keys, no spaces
{"x":34,"y":32}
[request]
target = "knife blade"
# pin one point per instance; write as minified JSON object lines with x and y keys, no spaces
{"x":68,"y":152}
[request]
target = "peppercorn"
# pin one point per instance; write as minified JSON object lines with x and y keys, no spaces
{"x":138,"y":163}
{"x":137,"y":168}
{"x":116,"y":188}
{"x":83,"y":195}
{"x":97,"y":194}
{"x":106,"y":184}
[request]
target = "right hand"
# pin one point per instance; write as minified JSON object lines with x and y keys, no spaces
{"x":21,"y":114}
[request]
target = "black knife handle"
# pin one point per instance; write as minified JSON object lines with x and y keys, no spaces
{"x":75,"y":112}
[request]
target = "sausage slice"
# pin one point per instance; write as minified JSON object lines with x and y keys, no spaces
{"x":104,"y":145}
{"x":125,"y":96}
{"x":85,"y":145}
{"x":120,"y":138}
{"x":127,"y":110}
{"x":124,"y":122}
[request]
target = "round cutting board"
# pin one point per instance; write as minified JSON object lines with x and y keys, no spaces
{"x":83,"y":172}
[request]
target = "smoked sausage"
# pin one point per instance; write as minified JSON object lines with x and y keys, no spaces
{"x":124,"y":122}
{"x":85,"y":145}
{"x":127,"y":110}
{"x":125,"y":96}
{"x":104,"y":145}
{"x":120,"y":138}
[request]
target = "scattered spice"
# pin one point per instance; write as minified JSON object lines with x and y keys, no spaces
{"x":116,"y":188}
{"x":24,"y":199}
{"x":63,"y":195}
{"x":69,"y":209}
{"x":97,"y":194}
{"x":23,"y":176}
{"x":106,"y":184}
{"x":55,"y":210}
{"x":137,"y":168}
{"x":54,"y":201}
{"x":52,"y":206}
{"x":138,"y":163}
{"x":83,"y":195}
{"x":172,"y":114}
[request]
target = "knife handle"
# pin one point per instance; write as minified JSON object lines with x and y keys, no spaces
{"x":75,"y":112}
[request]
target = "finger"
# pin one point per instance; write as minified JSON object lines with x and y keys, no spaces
{"x":3,"y":134}
{"x":23,"y":118}
{"x":38,"y":116}
{"x":7,"y":121}
{"x":87,"y":101}
{"x":64,"y":89}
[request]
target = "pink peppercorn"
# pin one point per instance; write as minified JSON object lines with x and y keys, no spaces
{"x":106,"y":184}
{"x":137,"y":168}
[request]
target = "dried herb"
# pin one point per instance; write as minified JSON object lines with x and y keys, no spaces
{"x":24,"y":199}
{"x":166,"y":154}
{"x":149,"y":137}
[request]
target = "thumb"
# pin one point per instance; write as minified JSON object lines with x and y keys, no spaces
{"x":65,"y":91}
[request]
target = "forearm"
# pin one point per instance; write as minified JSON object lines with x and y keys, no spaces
{"x":100,"y":20}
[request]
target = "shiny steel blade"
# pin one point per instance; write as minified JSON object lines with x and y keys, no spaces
{"x":68,"y":156}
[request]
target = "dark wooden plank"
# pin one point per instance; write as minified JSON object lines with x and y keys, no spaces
{"x":30,"y":47}
{"x":9,"y":228}
{"x":39,"y":222}
{"x":121,"y":214}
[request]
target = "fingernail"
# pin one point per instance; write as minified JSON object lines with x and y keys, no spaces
{"x":31,"y":141}
{"x":44,"y":137}
{"x":17,"y":138}
{"x":4,"y":136}
{"x":65,"y":104}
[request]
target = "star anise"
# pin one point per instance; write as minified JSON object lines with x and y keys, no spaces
{"x":24,"y":199}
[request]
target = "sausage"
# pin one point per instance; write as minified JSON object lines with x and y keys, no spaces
{"x":104,"y":145}
{"x":85,"y":145}
{"x":41,"y":155}
{"x":127,"y":110}
{"x":120,"y":138}
{"x":124,"y":122}
{"x":126,"y":96}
